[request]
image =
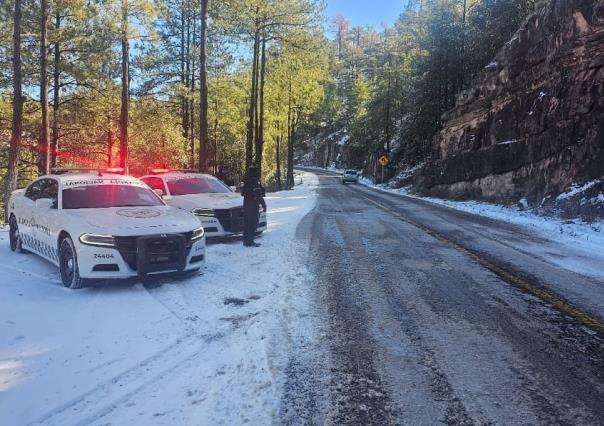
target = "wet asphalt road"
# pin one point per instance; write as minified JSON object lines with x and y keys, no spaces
{"x":408,"y":328}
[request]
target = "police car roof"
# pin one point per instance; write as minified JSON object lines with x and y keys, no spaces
{"x":89,"y":175}
{"x":177,"y":174}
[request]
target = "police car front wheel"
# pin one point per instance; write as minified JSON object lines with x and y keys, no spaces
{"x":68,"y":264}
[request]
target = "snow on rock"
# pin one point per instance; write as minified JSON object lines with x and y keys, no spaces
{"x":407,"y":173}
{"x":579,"y":200}
{"x":523,"y":204}
{"x":491,"y":66}
{"x":577,"y":189}
{"x":174,"y":351}
{"x":344,"y":140}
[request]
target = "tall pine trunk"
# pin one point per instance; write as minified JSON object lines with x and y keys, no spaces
{"x":260,"y":133}
{"x":192,"y":91}
{"x":249,"y":146}
{"x":187,"y":113}
{"x":462,"y":71}
{"x":278,"y":157}
{"x":10,"y":183}
{"x":183,"y":97}
{"x":44,"y":142}
{"x":54,"y":145}
{"x":290,"y":141}
{"x":203,"y":88}
{"x":256,"y":108}
{"x":125,"y":89}
{"x":109,"y":142}
{"x":388,"y":102}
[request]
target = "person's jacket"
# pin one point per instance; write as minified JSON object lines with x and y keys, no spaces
{"x":253,"y":191}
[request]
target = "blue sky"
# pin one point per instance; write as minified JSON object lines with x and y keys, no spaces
{"x":366,"y":12}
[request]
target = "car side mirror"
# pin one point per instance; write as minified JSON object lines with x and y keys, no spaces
{"x":159,"y":192}
{"x":45,"y":203}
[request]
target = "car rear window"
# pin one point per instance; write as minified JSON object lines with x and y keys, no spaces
{"x":196,"y":185}
{"x":105,"y":196}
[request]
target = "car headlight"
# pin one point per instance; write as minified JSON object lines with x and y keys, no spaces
{"x":203,"y":212}
{"x":97,"y":240}
{"x":197,"y":234}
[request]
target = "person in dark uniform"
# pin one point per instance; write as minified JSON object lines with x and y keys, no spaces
{"x":253,"y":198}
{"x":224,"y":177}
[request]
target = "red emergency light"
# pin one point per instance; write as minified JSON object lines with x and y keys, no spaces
{"x":114,"y":170}
{"x":99,"y":171}
{"x":158,"y":171}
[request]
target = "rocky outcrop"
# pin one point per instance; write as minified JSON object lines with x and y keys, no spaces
{"x":532,"y":125}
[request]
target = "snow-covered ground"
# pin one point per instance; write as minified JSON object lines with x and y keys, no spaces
{"x":207,"y":349}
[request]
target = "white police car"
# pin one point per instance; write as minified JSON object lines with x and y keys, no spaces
{"x":217,"y":206}
{"x":103,"y":225}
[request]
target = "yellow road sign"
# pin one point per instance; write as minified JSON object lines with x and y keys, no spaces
{"x":383,"y":161}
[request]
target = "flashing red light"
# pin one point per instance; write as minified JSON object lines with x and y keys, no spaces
{"x":156,"y":171}
{"x":114,"y":170}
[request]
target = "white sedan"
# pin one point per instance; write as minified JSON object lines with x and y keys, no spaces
{"x":218,"y":207}
{"x":102,"y":225}
{"x":350,"y":176}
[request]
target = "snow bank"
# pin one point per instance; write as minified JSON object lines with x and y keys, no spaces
{"x":206,"y":349}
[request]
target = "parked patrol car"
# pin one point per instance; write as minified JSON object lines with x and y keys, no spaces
{"x":218,"y":207}
{"x":103,"y":225}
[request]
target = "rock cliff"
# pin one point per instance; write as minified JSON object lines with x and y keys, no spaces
{"x":532,"y":125}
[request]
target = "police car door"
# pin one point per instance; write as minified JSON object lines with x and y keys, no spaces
{"x":25,"y":214}
{"x":46,"y":218}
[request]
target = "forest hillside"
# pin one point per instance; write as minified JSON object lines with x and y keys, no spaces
{"x":495,"y":100}
{"x":491,"y":99}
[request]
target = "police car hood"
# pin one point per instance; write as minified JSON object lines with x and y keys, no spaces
{"x":130,"y":221}
{"x":215,"y":201}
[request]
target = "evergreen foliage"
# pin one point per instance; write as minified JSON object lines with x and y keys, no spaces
{"x":277,"y":76}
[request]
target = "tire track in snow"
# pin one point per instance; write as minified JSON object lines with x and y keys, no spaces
{"x":85,"y":408}
{"x":101,"y":400}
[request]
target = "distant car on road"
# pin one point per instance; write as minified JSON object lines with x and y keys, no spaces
{"x":218,"y":207}
{"x":350,"y":176}
{"x":94,"y":224}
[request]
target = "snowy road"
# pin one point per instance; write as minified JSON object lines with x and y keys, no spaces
{"x":361,"y":307}
{"x":428,"y":315}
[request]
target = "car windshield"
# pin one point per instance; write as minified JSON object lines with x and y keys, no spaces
{"x":350,"y":172}
{"x":105,"y":196}
{"x":196,"y":185}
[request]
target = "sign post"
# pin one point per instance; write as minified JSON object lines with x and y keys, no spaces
{"x":383,"y":162}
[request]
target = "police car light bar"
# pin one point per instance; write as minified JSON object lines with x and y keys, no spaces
{"x":161,"y":171}
{"x":61,"y":171}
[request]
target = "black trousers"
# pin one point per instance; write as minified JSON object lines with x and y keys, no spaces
{"x":250,"y":222}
